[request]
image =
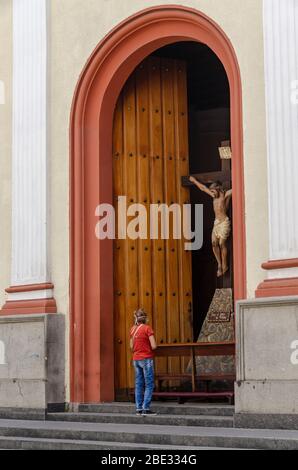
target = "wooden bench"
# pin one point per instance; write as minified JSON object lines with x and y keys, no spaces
{"x":193,"y":350}
{"x":206,"y":378}
{"x":183,"y":396}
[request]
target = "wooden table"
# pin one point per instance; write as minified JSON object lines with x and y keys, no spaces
{"x":195,"y":349}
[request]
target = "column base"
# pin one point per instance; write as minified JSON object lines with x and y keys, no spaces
{"x":282,"y":278}
{"x":266,"y":357}
{"x":32,"y":363}
{"x":277,"y":287}
{"x":29,"y":306}
{"x":31,"y":298}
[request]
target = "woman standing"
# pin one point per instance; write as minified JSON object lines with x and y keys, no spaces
{"x":142,"y":343}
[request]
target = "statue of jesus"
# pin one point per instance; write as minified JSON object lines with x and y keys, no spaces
{"x":222,"y":224}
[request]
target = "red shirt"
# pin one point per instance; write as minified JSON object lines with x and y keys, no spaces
{"x":141,"y":344}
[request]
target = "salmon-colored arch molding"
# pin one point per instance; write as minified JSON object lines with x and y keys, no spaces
{"x":91,"y":288}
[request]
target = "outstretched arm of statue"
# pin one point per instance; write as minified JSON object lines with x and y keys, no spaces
{"x":228,"y":197}
{"x":201,"y":186}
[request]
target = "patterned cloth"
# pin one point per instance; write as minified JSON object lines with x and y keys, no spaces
{"x":220,"y":331}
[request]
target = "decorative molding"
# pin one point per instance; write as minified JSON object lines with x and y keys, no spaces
{"x":29,"y":288}
{"x":282,"y":268}
{"x":281,"y":264}
{"x":30,"y":221}
{"x":21,"y":307}
{"x":282,"y":273}
{"x":31,"y":295}
{"x":278,"y":287}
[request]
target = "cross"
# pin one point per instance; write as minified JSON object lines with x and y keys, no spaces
{"x":224,"y":176}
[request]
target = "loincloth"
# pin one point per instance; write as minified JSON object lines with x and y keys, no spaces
{"x":221,"y":230}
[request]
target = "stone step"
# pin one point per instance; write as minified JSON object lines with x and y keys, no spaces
{"x":161,"y":408}
{"x":178,"y":436}
{"x":160,"y":419}
{"x":23,"y":443}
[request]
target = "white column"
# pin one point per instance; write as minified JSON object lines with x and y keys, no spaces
{"x":30,"y":249}
{"x":281,"y":81}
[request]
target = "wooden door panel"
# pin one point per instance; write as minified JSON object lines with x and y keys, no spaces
{"x":169,"y":156}
{"x":157,"y":196}
{"x":182,"y":168}
{"x":130,"y":265}
{"x":119,"y":253}
{"x":143,"y":183}
{"x":150,"y":154}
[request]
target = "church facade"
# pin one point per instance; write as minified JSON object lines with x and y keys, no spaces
{"x":69,"y":72}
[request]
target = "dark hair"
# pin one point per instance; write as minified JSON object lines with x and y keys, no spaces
{"x":216,"y":184}
{"x":140,"y":315}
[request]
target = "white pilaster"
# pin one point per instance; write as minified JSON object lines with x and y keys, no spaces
{"x":30,"y":263}
{"x":281,"y":75}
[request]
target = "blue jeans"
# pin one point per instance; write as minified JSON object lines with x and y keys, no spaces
{"x":144,"y":383}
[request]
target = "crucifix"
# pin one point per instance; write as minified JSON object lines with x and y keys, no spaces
{"x":218,"y":185}
{"x":224,"y":176}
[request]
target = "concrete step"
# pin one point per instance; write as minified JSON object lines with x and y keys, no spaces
{"x":23,"y":443}
{"x":160,"y":419}
{"x":144,"y":435}
{"x":161,"y":408}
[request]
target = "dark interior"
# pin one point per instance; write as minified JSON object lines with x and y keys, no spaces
{"x":209,"y":125}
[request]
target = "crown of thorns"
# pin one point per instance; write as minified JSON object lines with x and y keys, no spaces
{"x":215,"y":184}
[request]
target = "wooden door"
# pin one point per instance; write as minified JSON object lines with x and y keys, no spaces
{"x":150,"y":154}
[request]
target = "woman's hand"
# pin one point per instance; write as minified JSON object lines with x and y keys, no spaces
{"x":152,"y":342}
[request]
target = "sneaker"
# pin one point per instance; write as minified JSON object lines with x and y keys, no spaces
{"x":149,"y":413}
{"x":139,"y":412}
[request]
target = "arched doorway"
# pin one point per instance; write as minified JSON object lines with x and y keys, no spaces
{"x":91,"y":288}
